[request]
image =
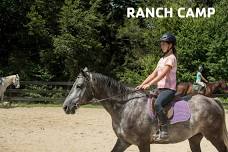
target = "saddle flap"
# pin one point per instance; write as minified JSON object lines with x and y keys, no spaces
{"x":169,"y":111}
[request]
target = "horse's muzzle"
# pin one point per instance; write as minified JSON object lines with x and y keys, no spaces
{"x":70,"y":109}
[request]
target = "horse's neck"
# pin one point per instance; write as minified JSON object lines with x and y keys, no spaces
{"x":101,"y":92}
{"x":215,"y":86}
{"x":115,"y":93}
{"x":113,"y":106}
{"x":8,"y":81}
{"x":114,"y":109}
{"x":133,"y":106}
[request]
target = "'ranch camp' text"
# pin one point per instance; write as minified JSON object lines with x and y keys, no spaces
{"x":168,"y":12}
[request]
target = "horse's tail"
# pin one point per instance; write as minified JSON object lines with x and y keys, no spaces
{"x":224,"y":129}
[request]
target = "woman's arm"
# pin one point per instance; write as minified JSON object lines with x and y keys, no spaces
{"x":205,"y":80}
{"x":148,"y":79}
{"x":166,"y":70}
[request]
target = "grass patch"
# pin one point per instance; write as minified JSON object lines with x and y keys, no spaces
{"x":31,"y":105}
{"x":35,"y":105}
{"x":224,"y":102}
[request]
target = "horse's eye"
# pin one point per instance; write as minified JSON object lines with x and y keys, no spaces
{"x":79,"y":86}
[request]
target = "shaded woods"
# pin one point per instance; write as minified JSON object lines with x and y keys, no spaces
{"x":51,"y":40}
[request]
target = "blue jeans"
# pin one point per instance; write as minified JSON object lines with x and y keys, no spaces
{"x":165,"y":96}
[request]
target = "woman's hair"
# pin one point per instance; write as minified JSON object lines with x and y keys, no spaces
{"x":174,"y":51}
{"x":174,"y":48}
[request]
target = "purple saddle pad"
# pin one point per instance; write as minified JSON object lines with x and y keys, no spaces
{"x":181,"y":111}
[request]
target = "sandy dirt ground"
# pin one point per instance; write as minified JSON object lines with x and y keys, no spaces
{"x":51,"y":130}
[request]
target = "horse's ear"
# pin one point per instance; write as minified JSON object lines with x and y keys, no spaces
{"x":85,"y":72}
{"x":86,"y":69}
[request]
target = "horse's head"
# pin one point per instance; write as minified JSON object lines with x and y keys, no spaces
{"x":223,"y":84}
{"x":16,"y":81}
{"x":81,"y":92}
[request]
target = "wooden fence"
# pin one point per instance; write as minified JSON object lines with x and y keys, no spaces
{"x":15,"y":94}
{"x":19,"y":94}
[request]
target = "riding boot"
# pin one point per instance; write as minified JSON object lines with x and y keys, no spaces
{"x":163,"y":132}
{"x":200,"y":89}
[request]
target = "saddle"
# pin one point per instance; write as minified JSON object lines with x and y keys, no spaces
{"x":169,"y":108}
{"x":177,"y":110}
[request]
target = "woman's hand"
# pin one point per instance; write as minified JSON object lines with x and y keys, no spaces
{"x":139,"y":87}
{"x":145,"y":86}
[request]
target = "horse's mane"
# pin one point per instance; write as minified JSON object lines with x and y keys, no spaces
{"x":110,"y":83}
{"x":8,"y":76}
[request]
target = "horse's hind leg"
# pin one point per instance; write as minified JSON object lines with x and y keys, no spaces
{"x":215,"y":136}
{"x":219,"y":144}
{"x":145,"y":147}
{"x":120,"y":146}
{"x":194,"y":142}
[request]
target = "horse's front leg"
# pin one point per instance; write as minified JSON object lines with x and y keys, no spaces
{"x":2,"y":96}
{"x":144,"y":147}
{"x":120,"y":146}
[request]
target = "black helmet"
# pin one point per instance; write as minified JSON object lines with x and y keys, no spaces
{"x":168,"y":37}
{"x":200,"y":68}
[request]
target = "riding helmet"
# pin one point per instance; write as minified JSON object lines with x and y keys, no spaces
{"x":168,"y":37}
{"x":200,"y":68}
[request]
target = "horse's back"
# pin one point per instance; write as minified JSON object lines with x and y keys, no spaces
{"x":205,"y":111}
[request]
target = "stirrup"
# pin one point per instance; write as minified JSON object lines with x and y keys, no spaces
{"x":161,"y":137}
{"x":156,"y":135}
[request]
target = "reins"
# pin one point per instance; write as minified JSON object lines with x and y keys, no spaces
{"x":119,"y":95}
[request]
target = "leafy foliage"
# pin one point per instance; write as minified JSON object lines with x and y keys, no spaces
{"x":52,"y":40}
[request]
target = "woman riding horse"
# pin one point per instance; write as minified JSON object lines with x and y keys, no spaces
{"x":165,"y":77}
{"x":132,"y":123}
{"x":186,"y":88}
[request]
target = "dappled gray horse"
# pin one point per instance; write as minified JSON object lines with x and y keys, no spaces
{"x":6,"y":81}
{"x":131,"y":122}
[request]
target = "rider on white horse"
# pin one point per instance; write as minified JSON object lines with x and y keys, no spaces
{"x":6,"y":81}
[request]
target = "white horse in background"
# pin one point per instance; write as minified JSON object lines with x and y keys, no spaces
{"x":6,"y":81}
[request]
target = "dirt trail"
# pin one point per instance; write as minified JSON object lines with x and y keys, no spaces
{"x":50,"y":130}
